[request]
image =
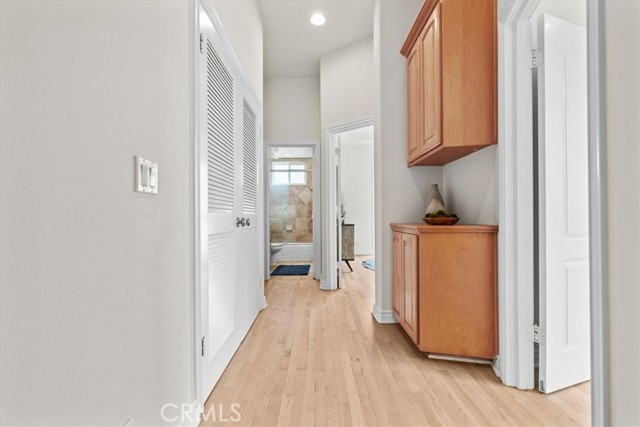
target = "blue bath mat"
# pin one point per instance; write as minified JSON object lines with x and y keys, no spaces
{"x":291,"y":270}
{"x":370,"y":264}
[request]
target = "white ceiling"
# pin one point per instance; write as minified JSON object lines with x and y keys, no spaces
{"x":293,"y":47}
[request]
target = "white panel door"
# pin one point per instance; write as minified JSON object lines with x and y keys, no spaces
{"x":563,"y":205}
{"x":230,"y":288}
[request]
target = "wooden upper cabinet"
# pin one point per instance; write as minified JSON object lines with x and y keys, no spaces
{"x":431,"y":83}
{"x":456,"y":109}
{"x":414,"y":107}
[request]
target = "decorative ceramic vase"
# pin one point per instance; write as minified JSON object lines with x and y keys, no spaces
{"x":435,"y":202}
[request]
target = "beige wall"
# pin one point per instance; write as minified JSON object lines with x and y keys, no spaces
{"x":96,"y":284}
{"x":292,"y":109}
{"x":346,"y":96}
{"x":471,"y":187}
{"x":622,"y":32}
{"x":243,"y":28}
{"x":400,"y":192}
{"x":346,"y":84}
{"x":357,"y":179}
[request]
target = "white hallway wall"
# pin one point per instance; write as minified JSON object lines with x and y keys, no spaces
{"x":400,"y":192}
{"x":346,"y":95}
{"x":357,"y":179}
{"x":346,"y":84}
{"x":292,"y":109}
{"x":243,"y":27}
{"x":622,"y":34}
{"x":471,"y":187}
{"x":96,"y":280}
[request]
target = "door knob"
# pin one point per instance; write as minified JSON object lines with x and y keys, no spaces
{"x":248,"y":223}
{"x":240,"y":222}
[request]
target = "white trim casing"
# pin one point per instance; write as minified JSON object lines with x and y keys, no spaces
{"x":515,"y":247}
{"x":598,"y":215}
{"x":329,"y":246}
{"x":194,"y":196}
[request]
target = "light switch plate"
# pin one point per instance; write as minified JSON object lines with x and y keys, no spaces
{"x":146,"y":176}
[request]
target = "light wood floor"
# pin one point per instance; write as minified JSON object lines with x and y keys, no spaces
{"x":318,"y":358}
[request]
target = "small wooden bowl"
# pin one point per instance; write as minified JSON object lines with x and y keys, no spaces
{"x":440,"y":221}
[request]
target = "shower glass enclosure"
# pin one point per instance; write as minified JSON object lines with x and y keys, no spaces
{"x":291,"y":195}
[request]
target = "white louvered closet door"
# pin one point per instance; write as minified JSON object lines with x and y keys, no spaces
{"x":228,"y":170}
{"x":248,"y":239}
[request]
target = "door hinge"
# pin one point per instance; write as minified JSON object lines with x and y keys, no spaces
{"x":535,"y":334}
{"x":533,"y":59}
{"x":201,"y":42}
{"x":202,"y":346}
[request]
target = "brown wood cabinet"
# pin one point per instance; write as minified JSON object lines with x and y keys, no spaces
{"x":444,"y":287}
{"x":451,"y":54}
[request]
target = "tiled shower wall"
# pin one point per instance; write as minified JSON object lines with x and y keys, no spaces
{"x":291,"y":207}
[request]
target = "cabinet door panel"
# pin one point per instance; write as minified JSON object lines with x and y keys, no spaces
{"x":410,"y":284}
{"x":414,"y":104}
{"x":398,"y":291}
{"x":431,"y":83}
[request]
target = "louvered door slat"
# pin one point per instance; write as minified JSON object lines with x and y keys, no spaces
{"x":222,"y":290}
{"x":221,"y":200}
{"x":220,"y":145}
{"x":249,"y":159}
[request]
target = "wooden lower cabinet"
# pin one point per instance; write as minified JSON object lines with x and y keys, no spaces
{"x":444,"y":287}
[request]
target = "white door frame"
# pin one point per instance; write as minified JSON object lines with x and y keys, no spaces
{"x":316,"y":209}
{"x":515,"y":363}
{"x":516,"y":251}
{"x":598,"y":232}
{"x":330,"y":242}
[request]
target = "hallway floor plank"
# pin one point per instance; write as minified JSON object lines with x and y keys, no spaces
{"x":317,"y":358}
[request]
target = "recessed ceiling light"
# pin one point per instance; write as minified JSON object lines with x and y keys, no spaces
{"x":317,"y":19}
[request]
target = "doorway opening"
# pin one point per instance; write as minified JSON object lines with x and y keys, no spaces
{"x":292,"y":201}
{"x":350,"y":220}
{"x":548,"y":233}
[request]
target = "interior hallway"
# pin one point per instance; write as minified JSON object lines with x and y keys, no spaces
{"x":319,"y":358}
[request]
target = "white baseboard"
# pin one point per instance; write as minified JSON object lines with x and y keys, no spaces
{"x":383,"y":316}
{"x":496,"y":366}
